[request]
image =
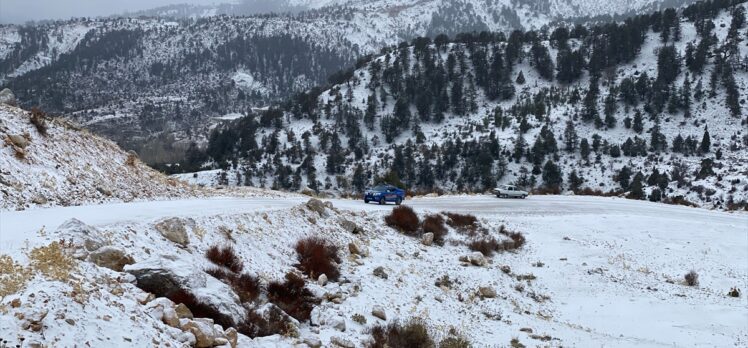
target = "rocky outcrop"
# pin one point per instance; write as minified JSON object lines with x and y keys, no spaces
{"x":80,"y":239}
{"x":167,"y":275}
{"x":7,"y":97}
{"x":317,"y":206}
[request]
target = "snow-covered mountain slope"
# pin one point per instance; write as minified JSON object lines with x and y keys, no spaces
{"x":163,"y":80}
{"x":439,"y":116}
{"x":70,"y":166}
{"x":593,"y":272}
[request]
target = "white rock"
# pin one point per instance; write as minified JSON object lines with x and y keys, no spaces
{"x":322,"y":280}
{"x":379,"y":312}
{"x":427,"y":239}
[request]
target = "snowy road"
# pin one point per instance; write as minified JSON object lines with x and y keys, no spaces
{"x":16,"y":224}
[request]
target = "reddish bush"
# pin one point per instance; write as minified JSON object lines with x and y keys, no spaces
{"x":292,"y":296}
{"x":487,"y":246}
{"x":274,"y":322}
{"x":226,"y":257}
{"x":246,"y":286}
{"x":461,"y":220}
{"x":404,"y":219}
{"x":317,"y":256}
{"x":414,"y":334}
{"x":435,"y":224}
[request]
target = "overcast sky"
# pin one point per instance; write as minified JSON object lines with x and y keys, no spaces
{"x":19,"y":11}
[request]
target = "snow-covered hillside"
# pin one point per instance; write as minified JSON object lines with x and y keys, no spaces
{"x":70,"y":166}
{"x":111,"y":74}
{"x":383,"y":100}
{"x":593,"y":272}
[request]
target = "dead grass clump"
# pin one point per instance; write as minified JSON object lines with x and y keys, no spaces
{"x":317,"y":256}
{"x":516,"y":239}
{"x":226,"y":257}
{"x":692,"y":278}
{"x":200,"y":309}
{"x":13,"y":276}
{"x":435,"y":224}
{"x":132,"y":159}
{"x":404,"y":219}
{"x":39,"y":120}
{"x":734,"y":292}
{"x":454,"y":340}
{"x":414,"y":334}
{"x":292,"y":296}
{"x":52,"y":261}
{"x":487,"y":246}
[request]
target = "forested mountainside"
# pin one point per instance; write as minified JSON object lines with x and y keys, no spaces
{"x":154,"y":84}
{"x":653,"y":106}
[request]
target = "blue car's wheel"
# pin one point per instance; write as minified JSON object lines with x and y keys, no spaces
{"x":398,"y":200}
{"x":382,"y":201}
{"x":366,"y":200}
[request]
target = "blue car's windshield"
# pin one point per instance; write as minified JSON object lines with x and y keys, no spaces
{"x":380,"y":188}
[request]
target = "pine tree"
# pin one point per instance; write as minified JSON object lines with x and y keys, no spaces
{"x":636,"y":190}
{"x":520,"y":78}
{"x":584,"y":150}
{"x":624,"y":178}
{"x":575,"y":181}
{"x":519,"y":148}
{"x":570,"y":136}
{"x":638,"y":125}
{"x":359,"y":178}
{"x":552,"y":178}
{"x":706,"y":142}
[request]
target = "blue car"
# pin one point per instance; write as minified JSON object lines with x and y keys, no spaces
{"x":383,"y":194}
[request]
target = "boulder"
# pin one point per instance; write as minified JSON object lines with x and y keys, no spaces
{"x":350,"y":226}
{"x":342,"y":342}
{"x":378,"y":312}
{"x":338,"y":323}
{"x":170,"y":317}
{"x":174,"y":229}
{"x":322,"y":280}
{"x":379,"y":272}
{"x":427,"y":239}
{"x":111,"y":257}
{"x":232,"y":336}
{"x":183,"y":311}
{"x":475,"y":258}
{"x":356,"y":248}
{"x":317,"y":206}
{"x":168,"y":275}
{"x":486,"y":292}
{"x":313,"y":342}
{"x":7,"y":97}
{"x":204,"y":333}
{"x":18,"y":140}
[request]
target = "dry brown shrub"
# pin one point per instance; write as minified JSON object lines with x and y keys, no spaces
{"x":404,"y":219}
{"x":13,"y":276}
{"x":318,"y":256}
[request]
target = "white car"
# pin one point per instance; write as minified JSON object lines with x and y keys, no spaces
{"x":507,"y":191}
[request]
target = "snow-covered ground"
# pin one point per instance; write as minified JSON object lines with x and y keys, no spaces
{"x":609,"y":271}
